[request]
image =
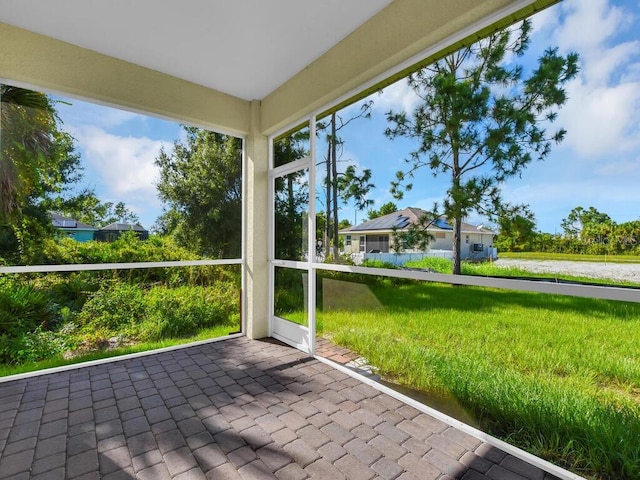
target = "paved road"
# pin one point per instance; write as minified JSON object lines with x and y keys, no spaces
{"x":615,"y":271}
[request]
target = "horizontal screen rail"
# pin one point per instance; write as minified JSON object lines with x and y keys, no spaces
{"x":77,"y":267}
{"x":542,"y":286}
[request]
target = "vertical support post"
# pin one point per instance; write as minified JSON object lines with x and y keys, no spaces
{"x":257,"y":228}
{"x":311,"y":298}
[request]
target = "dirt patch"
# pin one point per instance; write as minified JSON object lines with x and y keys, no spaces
{"x":105,"y":346}
{"x":629,"y":272}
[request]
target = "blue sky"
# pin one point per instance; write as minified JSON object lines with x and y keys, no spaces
{"x":597,"y":165}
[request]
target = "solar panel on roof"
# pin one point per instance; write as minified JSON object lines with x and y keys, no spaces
{"x":442,"y":223}
{"x":402,"y":222}
{"x":384,"y":223}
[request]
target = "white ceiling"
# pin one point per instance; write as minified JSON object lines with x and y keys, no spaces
{"x":246,"y":48}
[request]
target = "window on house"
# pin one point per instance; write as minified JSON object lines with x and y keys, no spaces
{"x":348,"y":241}
{"x":362,"y":243}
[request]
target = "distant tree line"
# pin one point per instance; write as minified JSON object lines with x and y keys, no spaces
{"x":584,"y":231}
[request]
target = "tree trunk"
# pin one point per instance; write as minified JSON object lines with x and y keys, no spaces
{"x":457,"y":226}
{"x":457,"y":230}
{"x":334,"y":186}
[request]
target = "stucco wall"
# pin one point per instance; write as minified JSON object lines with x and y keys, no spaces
{"x":467,"y":241}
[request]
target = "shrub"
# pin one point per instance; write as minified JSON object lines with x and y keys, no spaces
{"x":374,"y":263}
{"x":116,"y":309}
{"x":69,"y":290}
{"x":125,"y":310}
{"x":185,"y":310}
{"x":23,"y":308}
{"x":33,"y":346}
{"x":433,"y":264}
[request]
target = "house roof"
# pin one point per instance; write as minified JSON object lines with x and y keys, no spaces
{"x":403,"y":218}
{"x":123,"y":227}
{"x":67,"y":223}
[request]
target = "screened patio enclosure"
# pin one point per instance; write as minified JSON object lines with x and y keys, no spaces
{"x":257,"y":70}
{"x":270,"y":74}
{"x":254,"y":69}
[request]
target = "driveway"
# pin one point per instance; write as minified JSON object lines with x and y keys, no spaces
{"x":629,"y":272}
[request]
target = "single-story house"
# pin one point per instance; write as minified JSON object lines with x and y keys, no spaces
{"x":113,"y":231}
{"x":375,"y":236}
{"x":81,"y":232}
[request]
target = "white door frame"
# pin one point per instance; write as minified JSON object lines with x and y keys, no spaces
{"x":298,"y":336}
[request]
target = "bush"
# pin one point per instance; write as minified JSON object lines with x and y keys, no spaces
{"x":23,"y":308}
{"x":183,"y":311}
{"x":70,"y":290}
{"x":33,"y":346}
{"x":117,"y":308}
{"x":433,"y":264}
{"x":126,"y":310}
{"x":135,"y":304}
{"x":371,"y":263}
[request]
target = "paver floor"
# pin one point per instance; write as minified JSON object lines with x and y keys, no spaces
{"x":235,"y":409}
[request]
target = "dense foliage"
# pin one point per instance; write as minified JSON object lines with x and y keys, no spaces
{"x":385,"y":209}
{"x":45,"y":315}
{"x":585,"y":231}
{"x":38,"y":165}
{"x":201,"y":187}
{"x":40,"y":173}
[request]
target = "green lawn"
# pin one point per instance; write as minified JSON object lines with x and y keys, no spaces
{"x":574,"y":257}
{"x":558,"y":376}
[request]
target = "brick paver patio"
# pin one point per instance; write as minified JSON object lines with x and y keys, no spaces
{"x":235,"y":409}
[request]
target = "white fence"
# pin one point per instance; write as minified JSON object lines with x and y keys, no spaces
{"x":402,"y":258}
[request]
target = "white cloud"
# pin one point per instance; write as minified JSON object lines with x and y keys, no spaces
{"x":608,"y":65}
{"x":125,"y":164}
{"x":545,"y":21}
{"x":589,"y":24}
{"x":616,"y":168}
{"x":603,"y":111}
{"x":77,"y":112}
{"x":397,"y":97}
{"x":601,"y":120}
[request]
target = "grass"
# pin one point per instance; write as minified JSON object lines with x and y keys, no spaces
{"x":558,"y":376}
{"x":205,"y":334}
{"x":487,"y":269}
{"x":574,"y":257}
